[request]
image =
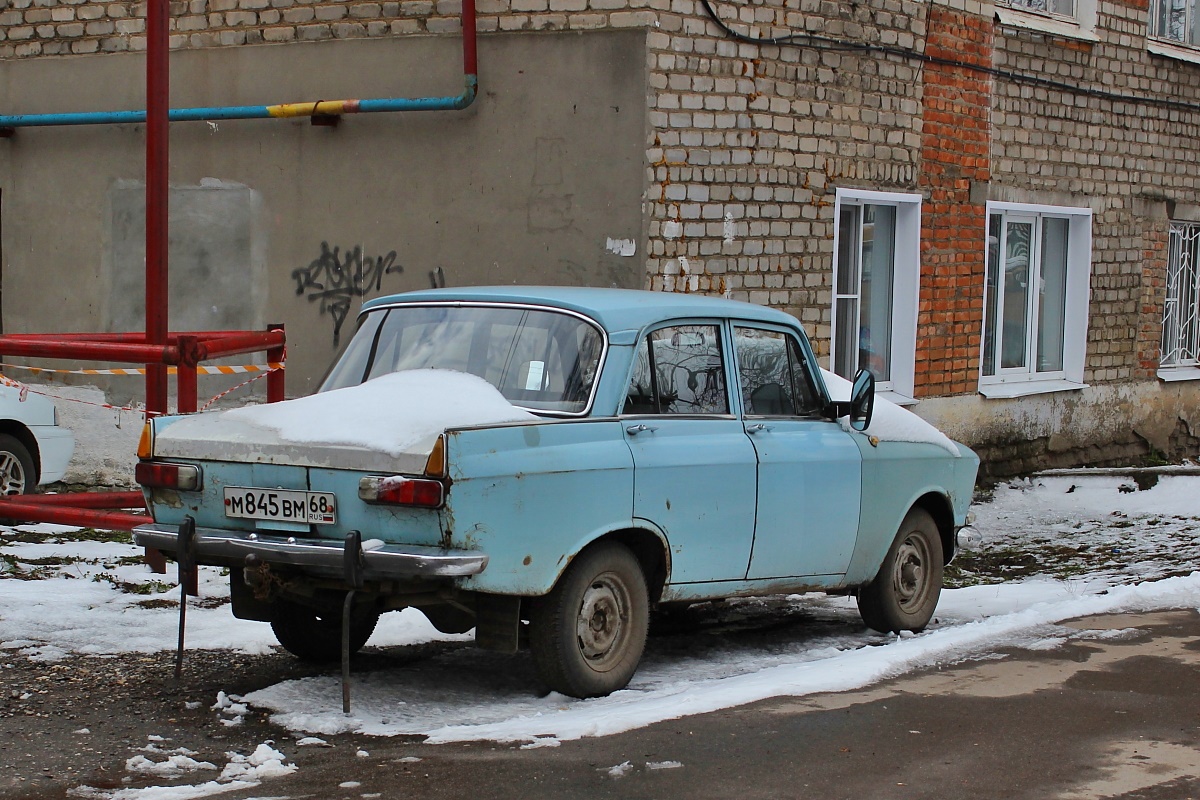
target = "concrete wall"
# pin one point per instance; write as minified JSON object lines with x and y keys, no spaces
{"x":272,"y":220}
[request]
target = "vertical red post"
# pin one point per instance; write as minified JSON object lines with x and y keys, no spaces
{"x":275,"y":378}
{"x":157,"y":108}
{"x":185,"y":376}
{"x":470,"y":60}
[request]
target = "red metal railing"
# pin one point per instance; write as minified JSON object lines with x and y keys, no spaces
{"x":184,"y":351}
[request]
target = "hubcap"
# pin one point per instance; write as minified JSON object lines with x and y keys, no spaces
{"x":910,"y":579}
{"x":603,"y":622}
{"x":12,"y":474}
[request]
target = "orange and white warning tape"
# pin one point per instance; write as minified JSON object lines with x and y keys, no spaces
{"x":215,"y":369}
{"x":25,"y":389}
{"x":232,"y":389}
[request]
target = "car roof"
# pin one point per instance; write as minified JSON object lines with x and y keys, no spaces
{"x":614,"y":309}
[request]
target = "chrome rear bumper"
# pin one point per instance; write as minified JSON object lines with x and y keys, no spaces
{"x":324,"y":557}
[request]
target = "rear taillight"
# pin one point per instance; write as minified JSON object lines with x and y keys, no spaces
{"x":162,"y":475}
{"x":397,"y":490}
{"x":145,"y":448}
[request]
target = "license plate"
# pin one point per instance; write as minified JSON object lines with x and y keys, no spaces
{"x":281,"y":505}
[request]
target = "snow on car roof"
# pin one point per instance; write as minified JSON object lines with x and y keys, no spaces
{"x":388,"y":414}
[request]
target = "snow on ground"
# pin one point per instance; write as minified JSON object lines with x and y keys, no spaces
{"x":1053,"y":549}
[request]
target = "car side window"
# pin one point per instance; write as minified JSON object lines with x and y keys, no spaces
{"x":771,"y":371}
{"x":678,"y":370}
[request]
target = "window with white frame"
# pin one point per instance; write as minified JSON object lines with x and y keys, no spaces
{"x":876,"y":275}
{"x":1074,"y":19}
{"x":1181,"y":309}
{"x":1035,"y":299}
{"x":1064,"y":8}
{"x":1175,"y":21}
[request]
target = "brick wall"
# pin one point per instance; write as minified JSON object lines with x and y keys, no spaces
{"x":954,"y":153}
{"x":1127,"y":160}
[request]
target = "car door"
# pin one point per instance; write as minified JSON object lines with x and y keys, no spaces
{"x":694,"y":468}
{"x":809,"y":469}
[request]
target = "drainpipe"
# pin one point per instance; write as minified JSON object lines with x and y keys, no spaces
{"x":318,"y":108}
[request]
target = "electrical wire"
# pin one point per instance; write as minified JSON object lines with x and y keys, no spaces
{"x":816,"y":41}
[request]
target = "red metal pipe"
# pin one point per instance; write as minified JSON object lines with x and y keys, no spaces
{"x":239,"y":343}
{"x":137,"y":338}
{"x":275,"y":378}
{"x":185,"y":377}
{"x":86,"y":499}
{"x":134,"y":337}
{"x":65,"y":515}
{"x":99,"y":351}
{"x":158,"y":103}
{"x":470,"y":58}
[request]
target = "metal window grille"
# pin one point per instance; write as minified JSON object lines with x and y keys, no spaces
{"x":1181,"y":309}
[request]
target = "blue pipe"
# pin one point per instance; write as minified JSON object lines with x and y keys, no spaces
{"x":285,"y":110}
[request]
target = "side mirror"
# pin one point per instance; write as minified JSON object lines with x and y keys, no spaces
{"x":862,"y":400}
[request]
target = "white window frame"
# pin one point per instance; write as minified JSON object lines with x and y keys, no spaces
{"x":1017,"y":382}
{"x":1162,"y":45}
{"x":906,"y":284}
{"x":1080,"y":25}
{"x":1187,"y":368}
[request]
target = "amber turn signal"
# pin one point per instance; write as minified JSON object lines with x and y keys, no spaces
{"x":146,"y":442}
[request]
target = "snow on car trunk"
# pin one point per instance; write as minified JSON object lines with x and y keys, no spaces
{"x":389,"y":422}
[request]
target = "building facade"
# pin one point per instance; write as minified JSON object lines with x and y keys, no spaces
{"x":993,"y":206}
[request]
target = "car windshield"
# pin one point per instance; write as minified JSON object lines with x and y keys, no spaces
{"x":539,"y":360}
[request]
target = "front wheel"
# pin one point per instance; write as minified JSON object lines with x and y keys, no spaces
{"x":905,"y":593}
{"x":310,"y":635}
{"x":588,"y":634}
{"x":17,"y":473}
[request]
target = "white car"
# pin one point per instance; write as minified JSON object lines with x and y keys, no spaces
{"x":34,"y":450}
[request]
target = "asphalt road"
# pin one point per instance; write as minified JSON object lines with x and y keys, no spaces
{"x":1100,"y":718}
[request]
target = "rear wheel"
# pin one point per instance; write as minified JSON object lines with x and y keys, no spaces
{"x":17,"y":473}
{"x":905,"y":593}
{"x":311,"y":635}
{"x":588,"y":634}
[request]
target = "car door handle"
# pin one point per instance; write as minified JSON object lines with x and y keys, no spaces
{"x":634,"y":430}
{"x":757,"y":428}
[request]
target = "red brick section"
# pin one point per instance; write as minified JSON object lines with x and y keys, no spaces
{"x":1155,"y":246}
{"x":954,"y":154}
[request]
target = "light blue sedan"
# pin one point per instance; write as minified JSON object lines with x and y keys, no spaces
{"x":546,"y":465}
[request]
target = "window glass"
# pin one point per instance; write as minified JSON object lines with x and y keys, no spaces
{"x":539,"y":360}
{"x":772,"y":374}
{"x":1015,"y":303}
{"x":1175,"y":20}
{"x":1063,"y":7}
{"x":1030,"y":293}
{"x":678,"y":370}
{"x":1181,"y":307}
{"x":865,"y":281}
{"x":1052,"y":287}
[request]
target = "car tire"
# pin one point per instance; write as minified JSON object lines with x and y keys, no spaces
{"x":17,"y":473}
{"x":310,"y":635}
{"x":588,"y":634}
{"x":905,"y":593}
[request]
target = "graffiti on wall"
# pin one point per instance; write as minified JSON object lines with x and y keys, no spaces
{"x":335,"y":279}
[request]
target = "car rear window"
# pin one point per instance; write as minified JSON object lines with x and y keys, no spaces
{"x":538,"y":359}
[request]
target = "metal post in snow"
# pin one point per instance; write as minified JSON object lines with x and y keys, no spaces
{"x":157,"y":160}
